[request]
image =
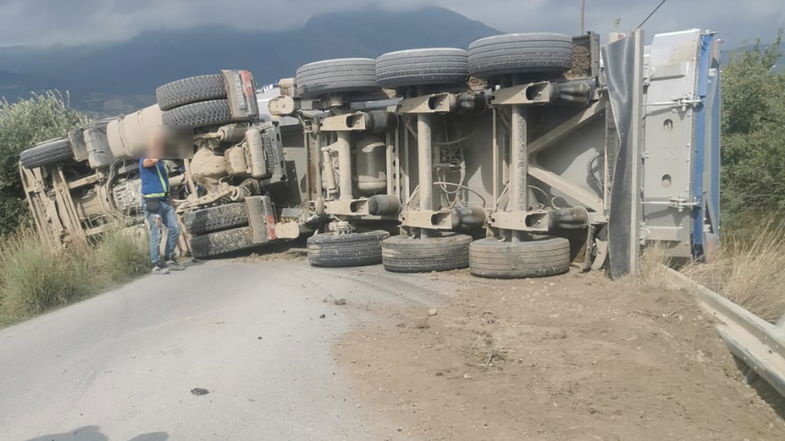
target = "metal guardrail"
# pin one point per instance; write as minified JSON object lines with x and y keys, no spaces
{"x":756,"y":342}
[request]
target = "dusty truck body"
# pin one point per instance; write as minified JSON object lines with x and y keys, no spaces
{"x":77,"y":186}
{"x":518,"y":157}
{"x":224,"y":166}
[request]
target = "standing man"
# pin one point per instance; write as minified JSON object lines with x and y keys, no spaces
{"x":158,"y":210}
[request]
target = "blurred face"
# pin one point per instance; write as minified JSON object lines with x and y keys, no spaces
{"x":170,"y":143}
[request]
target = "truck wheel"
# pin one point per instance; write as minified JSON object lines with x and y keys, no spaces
{"x":221,"y":242}
{"x":334,"y":76}
{"x":222,"y":217}
{"x":534,"y":53}
{"x":352,"y":249}
{"x":403,"y":254}
{"x":205,"y":113}
{"x":48,"y":152}
{"x":190,"y":90}
{"x":422,"y":67}
{"x":493,"y":258}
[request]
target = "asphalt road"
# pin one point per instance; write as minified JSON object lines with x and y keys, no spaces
{"x":122,"y":366}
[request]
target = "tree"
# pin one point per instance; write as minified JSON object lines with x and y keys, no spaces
{"x":22,"y":125}
{"x":753,"y":131}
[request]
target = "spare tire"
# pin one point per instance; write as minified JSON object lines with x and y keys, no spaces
{"x":48,"y":152}
{"x":337,"y":75}
{"x":221,"y":217}
{"x":190,"y":90}
{"x":205,"y":113}
{"x":534,"y":53}
{"x":417,"y":67}
{"x":497,"y":259}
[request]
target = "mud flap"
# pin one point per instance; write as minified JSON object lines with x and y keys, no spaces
{"x":241,"y":93}
{"x":620,"y":70}
{"x":261,"y":219}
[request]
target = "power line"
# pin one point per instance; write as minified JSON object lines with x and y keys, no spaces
{"x":650,"y":14}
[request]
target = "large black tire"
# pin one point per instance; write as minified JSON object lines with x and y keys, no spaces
{"x":205,"y":113}
{"x":222,"y":217}
{"x":535,"y":53}
{"x":190,"y":90}
{"x":221,"y":242}
{"x":422,"y":67}
{"x":493,"y":258}
{"x":48,"y":152}
{"x":353,"y":249}
{"x":334,"y":76}
{"x":406,"y":255}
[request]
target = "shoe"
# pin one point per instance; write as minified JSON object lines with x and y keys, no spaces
{"x":160,"y":269}
{"x":174,"y":265}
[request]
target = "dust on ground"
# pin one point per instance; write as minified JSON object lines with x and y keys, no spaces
{"x":287,"y":251}
{"x":574,"y":357}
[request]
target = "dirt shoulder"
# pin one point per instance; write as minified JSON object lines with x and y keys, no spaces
{"x":575,"y":357}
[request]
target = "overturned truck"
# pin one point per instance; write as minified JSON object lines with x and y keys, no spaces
{"x":221,"y":179}
{"x":516,"y":157}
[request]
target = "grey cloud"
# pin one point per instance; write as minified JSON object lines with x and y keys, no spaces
{"x":735,"y":21}
{"x":44,"y":22}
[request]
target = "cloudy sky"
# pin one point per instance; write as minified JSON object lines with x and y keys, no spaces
{"x":45,"y":22}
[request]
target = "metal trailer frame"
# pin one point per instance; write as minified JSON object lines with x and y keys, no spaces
{"x":53,"y":209}
{"x":644,"y":160}
{"x":342,"y":124}
{"x":63,"y":218}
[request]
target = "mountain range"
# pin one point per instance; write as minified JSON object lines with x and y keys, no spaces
{"x":119,"y":77}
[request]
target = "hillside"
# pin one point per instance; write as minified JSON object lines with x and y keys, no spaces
{"x":120,"y":77}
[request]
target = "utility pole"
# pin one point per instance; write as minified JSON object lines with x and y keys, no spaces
{"x":583,"y":16}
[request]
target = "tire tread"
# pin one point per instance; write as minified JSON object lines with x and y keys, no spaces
{"x":201,"y":114}
{"x":354,"y":249}
{"x":402,"y":254}
{"x":221,"y":242}
{"x":422,"y":67}
{"x":46,"y":153}
{"x":505,"y":260}
{"x":337,"y":75}
{"x":534,"y":53}
{"x":190,"y":90}
{"x":211,"y":219}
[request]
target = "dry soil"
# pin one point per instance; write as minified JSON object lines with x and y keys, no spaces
{"x":574,"y":357}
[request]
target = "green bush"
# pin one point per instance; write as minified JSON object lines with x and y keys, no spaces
{"x":22,"y":125}
{"x":753,"y":135}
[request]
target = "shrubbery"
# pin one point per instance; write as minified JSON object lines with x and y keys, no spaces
{"x":122,"y":255}
{"x":34,"y":278}
{"x":753,"y":136}
{"x":22,"y":125}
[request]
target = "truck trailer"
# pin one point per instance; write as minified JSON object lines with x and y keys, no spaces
{"x":518,"y":156}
